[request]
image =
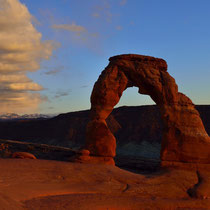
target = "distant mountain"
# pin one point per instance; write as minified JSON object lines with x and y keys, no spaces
{"x":138,"y":129}
{"x":13,"y":116}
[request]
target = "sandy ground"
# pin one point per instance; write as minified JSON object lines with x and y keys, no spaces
{"x":44,"y":184}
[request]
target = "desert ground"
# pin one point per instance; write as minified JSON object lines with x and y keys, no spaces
{"x":47,"y":184}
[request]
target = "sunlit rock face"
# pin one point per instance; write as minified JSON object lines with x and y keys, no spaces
{"x":184,"y":137}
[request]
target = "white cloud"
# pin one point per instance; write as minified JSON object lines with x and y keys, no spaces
{"x":69,"y":27}
{"x":62,"y":93}
{"x":54,"y":71}
{"x":96,"y":15}
{"x":21,"y":51}
{"x":19,"y":102}
{"x":103,"y":10}
{"x":78,"y":35}
{"x":25,"y":86}
{"x":123,"y":2}
{"x":119,"y":28}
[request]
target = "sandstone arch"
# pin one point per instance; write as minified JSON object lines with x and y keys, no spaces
{"x":184,"y":136}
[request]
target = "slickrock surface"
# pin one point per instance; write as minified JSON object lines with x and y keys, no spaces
{"x":184,"y":137}
{"x":45,"y":184}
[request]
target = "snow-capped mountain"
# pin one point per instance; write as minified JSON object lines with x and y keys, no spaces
{"x":13,"y":116}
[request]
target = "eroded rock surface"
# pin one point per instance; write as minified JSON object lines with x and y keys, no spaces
{"x":184,"y":137}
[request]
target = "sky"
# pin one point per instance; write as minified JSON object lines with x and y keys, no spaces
{"x":52,"y":51}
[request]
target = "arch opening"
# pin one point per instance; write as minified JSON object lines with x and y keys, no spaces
{"x":138,"y":125}
{"x":131,"y":97}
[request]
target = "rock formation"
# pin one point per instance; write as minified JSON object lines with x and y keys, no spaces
{"x":184,"y":137}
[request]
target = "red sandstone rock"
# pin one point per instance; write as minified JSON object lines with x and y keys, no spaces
{"x":184,"y":136}
{"x":84,"y":152}
{"x":83,"y":156}
{"x":23,"y":155}
{"x":92,"y":159}
{"x":100,"y":140}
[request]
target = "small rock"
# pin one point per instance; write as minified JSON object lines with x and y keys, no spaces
{"x":23,"y":155}
{"x":84,"y":152}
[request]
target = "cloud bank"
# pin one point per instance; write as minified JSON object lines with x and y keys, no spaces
{"x":21,"y":51}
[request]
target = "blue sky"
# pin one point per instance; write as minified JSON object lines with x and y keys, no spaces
{"x":86,"y":33}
